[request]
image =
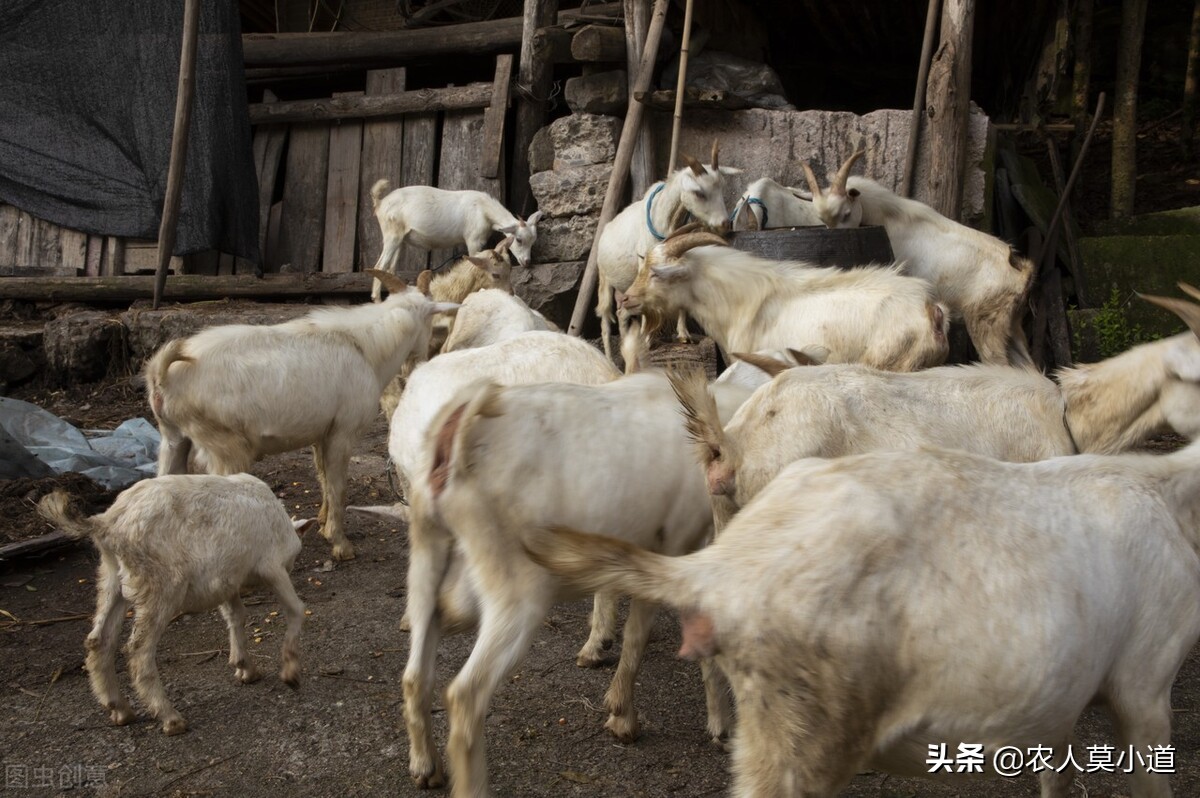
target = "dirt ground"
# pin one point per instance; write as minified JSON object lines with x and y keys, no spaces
{"x":342,"y":733}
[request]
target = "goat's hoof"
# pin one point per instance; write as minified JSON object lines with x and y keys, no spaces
{"x":624,"y":729}
{"x":429,"y":781}
{"x":405,"y":623}
{"x":173,"y":726}
{"x":291,"y":676}
{"x":721,"y":741}
{"x":343,"y":551}
{"x":590,"y":660}
{"x":122,"y":715}
{"x":247,"y":674}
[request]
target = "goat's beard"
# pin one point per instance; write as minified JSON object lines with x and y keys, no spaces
{"x":653,"y":318}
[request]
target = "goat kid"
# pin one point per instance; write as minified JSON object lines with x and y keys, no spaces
{"x":179,"y":544}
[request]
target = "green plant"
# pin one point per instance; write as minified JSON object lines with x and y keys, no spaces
{"x":1111,"y":329}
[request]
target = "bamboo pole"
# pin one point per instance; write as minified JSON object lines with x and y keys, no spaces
{"x":620,"y":172}
{"x":179,"y":142}
{"x":680,"y":85}
{"x":914,"y":125}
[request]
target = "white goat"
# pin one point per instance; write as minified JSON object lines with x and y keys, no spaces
{"x":435,"y":218}
{"x":182,"y":544}
{"x":870,"y":315}
{"x":771,"y":205}
{"x":997,"y":411}
{"x":237,"y":393}
{"x":491,"y":315}
{"x":490,"y":268}
{"x":872,"y":611}
{"x":496,"y":468}
{"x":981,"y":278}
{"x":694,"y":189}
{"x":756,"y":369}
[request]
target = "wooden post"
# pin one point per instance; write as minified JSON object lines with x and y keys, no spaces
{"x":642,"y":173}
{"x":914,"y":127}
{"x":948,"y":100}
{"x":1081,"y":75}
{"x":680,"y":86}
{"x":1189,"y":84}
{"x":179,"y":140}
{"x":534,"y":79}
{"x":1124,"y":131}
{"x":620,"y":172}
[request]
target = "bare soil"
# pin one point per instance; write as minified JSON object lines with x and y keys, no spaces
{"x":342,"y":732}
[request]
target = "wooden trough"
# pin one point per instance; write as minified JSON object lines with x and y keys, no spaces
{"x":846,"y":247}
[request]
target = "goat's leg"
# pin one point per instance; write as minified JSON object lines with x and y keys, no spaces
{"x":622,"y":719}
{"x":150,"y":621}
{"x":332,"y":457}
{"x":604,"y":310}
{"x":387,"y":261}
{"x":717,"y":700}
{"x":173,"y":450}
{"x":323,"y":512}
{"x":1143,"y":722}
{"x":603,"y":631}
{"x":505,"y":634}
{"x":234,"y":613}
{"x":1057,"y":779}
{"x":101,"y":643}
{"x":681,"y":330}
{"x":281,"y":582}
{"x":428,"y":559}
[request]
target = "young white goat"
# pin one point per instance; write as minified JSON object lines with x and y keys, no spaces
{"x":488,"y":269}
{"x":182,"y":544}
{"x":237,"y":393}
{"x":695,"y":190}
{"x":870,"y":315}
{"x":873,"y":610}
{"x":981,"y":278}
{"x":770,"y":205}
{"x":435,"y":218}
{"x":491,"y":315}
{"x":494,"y":468}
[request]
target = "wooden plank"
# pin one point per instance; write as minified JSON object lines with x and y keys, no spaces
{"x":598,"y":43}
{"x":462,"y":134}
{"x":37,"y":545}
{"x":25,"y":240}
{"x":418,"y":160}
{"x":112,"y":262}
{"x":274,"y":247}
{"x":493,"y":119}
{"x":95,"y":252}
{"x":382,"y":158}
{"x":341,"y":194}
{"x":290,"y":49}
{"x":9,"y":216}
{"x":473,"y":95}
{"x":947,"y":97}
{"x":303,"y":222}
{"x":534,"y":72}
{"x":73,"y":249}
{"x":183,"y":287}
{"x":206,"y":262}
{"x":268,"y":151}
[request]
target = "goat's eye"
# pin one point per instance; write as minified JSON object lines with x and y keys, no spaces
{"x":700,"y":195}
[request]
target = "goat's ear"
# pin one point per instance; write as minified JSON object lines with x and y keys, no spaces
{"x":395,"y":511}
{"x":534,"y":218}
{"x":391,"y":282}
{"x":303,"y":525}
{"x":423,"y":281}
{"x":443,"y":307}
{"x":802,"y":195}
{"x":507,"y":229}
{"x":729,"y":170}
{"x":694,"y":165}
{"x":480,"y":263}
{"x":811,"y":355}
{"x":765,"y":363}
{"x":669,"y":273}
{"x":503,"y":246}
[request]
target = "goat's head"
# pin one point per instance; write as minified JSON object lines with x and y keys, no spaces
{"x":837,"y":207}
{"x":702,"y":189}
{"x":495,"y":262}
{"x":1179,"y":400}
{"x":523,"y":234}
{"x":663,"y":281}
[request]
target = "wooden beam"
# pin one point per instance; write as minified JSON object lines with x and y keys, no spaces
{"x":534,"y":74}
{"x":291,"y":49}
{"x":341,"y":196}
{"x":620,"y":172}
{"x":179,"y":143}
{"x":268,"y":152}
{"x":642,"y":173}
{"x":302,"y":224}
{"x":473,"y":95}
{"x":183,"y":287}
{"x":598,"y":43}
{"x":493,"y":119}
{"x":947,"y":99}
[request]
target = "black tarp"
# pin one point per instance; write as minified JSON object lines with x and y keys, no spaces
{"x":87,"y":106}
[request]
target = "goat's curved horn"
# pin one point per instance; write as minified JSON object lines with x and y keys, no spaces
{"x":715,"y":151}
{"x":423,"y":281}
{"x":678,"y":245}
{"x":1189,"y":289}
{"x":839,"y":180}
{"x":690,"y":227}
{"x":391,"y":282}
{"x":814,"y":185}
{"x":694,"y":165}
{"x":1188,"y":311}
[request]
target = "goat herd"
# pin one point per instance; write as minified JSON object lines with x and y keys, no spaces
{"x":903,"y":557}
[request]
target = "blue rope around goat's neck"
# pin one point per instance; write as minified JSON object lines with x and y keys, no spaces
{"x":650,"y":222}
{"x":749,"y":201}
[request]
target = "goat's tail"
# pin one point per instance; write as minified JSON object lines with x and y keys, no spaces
{"x":160,"y":363}
{"x":701,"y":419}
{"x":596,"y":562}
{"x":378,"y":191}
{"x":59,"y":509}
{"x":454,"y":425}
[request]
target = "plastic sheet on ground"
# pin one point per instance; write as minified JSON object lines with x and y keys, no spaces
{"x":113,"y":458}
